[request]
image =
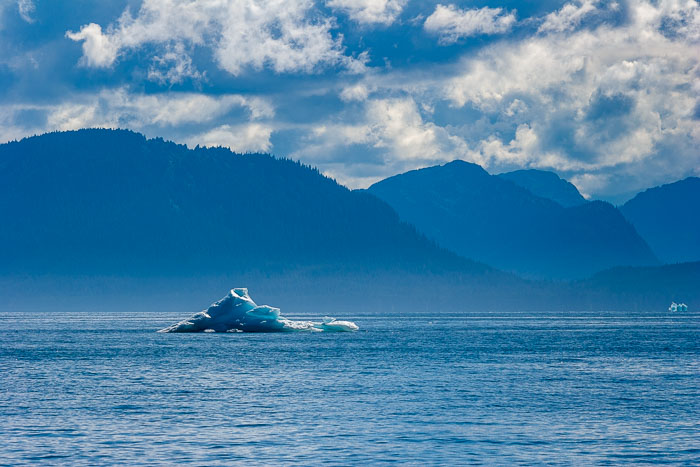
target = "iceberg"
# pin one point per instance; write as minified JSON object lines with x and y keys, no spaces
{"x":678,"y":307}
{"x":237,"y":312}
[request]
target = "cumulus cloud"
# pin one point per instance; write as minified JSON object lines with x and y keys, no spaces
{"x":396,"y":124}
{"x":250,"y":137}
{"x":99,"y":50}
{"x":173,"y":109}
{"x":570,"y":16}
{"x":451,"y":23}
{"x":173,"y":67}
{"x":605,"y":93}
{"x":162,"y":112}
{"x":357,"y":92}
{"x":532,"y":66}
{"x":614,"y":98}
{"x":76,"y":116}
{"x":279,"y":35}
{"x":679,"y":18}
{"x":283,"y":35}
{"x":369,"y":11}
{"x":396,"y":131}
{"x":517,"y":151}
{"x":26,"y":9}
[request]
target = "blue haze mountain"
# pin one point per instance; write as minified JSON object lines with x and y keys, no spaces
{"x":111,"y":207}
{"x":491,"y":219}
{"x":668,"y":217}
{"x":105,"y":219}
{"x":546,"y":185}
{"x":96,"y":201}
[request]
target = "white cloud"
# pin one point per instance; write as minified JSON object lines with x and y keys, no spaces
{"x":283,"y":35}
{"x":396,"y":132}
{"x":26,"y":8}
{"x":518,"y":151}
{"x":515,"y":107}
{"x":615,"y":109}
{"x":451,"y":23}
{"x":357,"y":92}
{"x":529,"y":67}
{"x":251,"y":137}
{"x":588,"y":183}
{"x":370,"y":11}
{"x":591,"y":101}
{"x":398,"y":126}
{"x":604,"y":93}
{"x":173,"y":67}
{"x":613,"y":59}
{"x":118,"y":108}
{"x":74,"y":117}
{"x":99,"y":50}
{"x":174,"y":109}
{"x":570,"y":16}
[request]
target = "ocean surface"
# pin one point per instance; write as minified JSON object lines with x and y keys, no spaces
{"x":611,"y":388}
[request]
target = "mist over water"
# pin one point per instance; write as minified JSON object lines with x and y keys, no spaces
{"x":84,"y":388}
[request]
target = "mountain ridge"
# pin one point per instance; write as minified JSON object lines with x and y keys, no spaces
{"x":107,"y":219}
{"x":490,"y":219}
{"x":107,"y":188}
{"x":547,"y":185}
{"x":668,"y":217}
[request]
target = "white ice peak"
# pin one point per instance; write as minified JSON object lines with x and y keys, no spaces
{"x":678,"y":307}
{"x":238,"y":312}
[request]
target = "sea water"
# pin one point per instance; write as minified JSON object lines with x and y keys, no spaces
{"x":84,"y":388}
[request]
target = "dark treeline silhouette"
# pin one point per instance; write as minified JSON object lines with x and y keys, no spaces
{"x":101,"y":200}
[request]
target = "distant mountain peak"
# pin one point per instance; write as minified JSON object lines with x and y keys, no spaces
{"x":668,"y":217}
{"x":495,"y":220}
{"x":101,"y":201}
{"x":673,"y":187}
{"x":462,"y":167}
{"x":463,"y":164}
{"x":546,"y":184}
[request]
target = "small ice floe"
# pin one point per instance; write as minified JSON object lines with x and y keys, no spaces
{"x":237,"y":312}
{"x":678,"y":307}
{"x":333,"y":325}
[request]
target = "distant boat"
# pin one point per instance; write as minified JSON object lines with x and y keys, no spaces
{"x":678,"y":307}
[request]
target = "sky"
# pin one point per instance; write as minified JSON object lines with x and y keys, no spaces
{"x":605,"y":93}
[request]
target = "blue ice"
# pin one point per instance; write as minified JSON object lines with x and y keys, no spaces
{"x":237,"y":312}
